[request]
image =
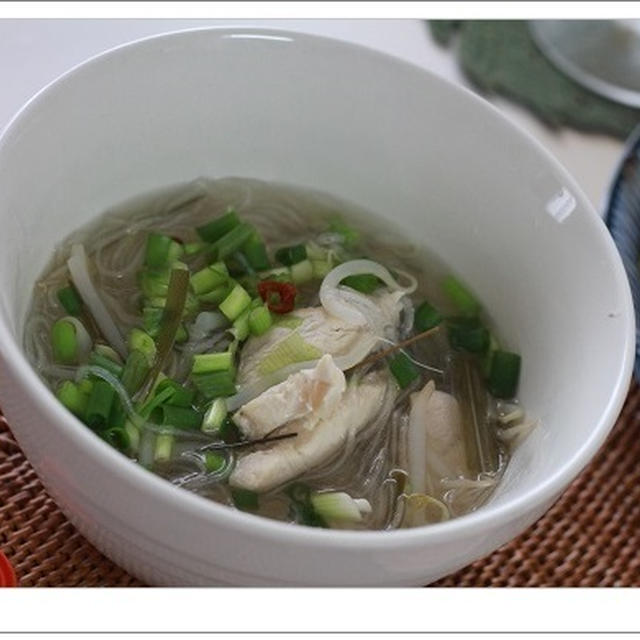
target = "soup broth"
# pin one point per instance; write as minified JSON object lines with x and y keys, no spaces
{"x":280,"y":351}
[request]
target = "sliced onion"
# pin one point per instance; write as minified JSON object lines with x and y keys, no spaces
{"x":332,"y":297}
{"x":79,"y":271}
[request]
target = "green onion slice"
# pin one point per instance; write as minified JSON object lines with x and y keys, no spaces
{"x":219,"y":227}
{"x":504,"y":374}
{"x":291,"y":255}
{"x":403,"y":370}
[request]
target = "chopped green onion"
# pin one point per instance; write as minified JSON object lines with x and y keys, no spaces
{"x":362,"y":282}
{"x":166,"y":383}
{"x":85,"y":386}
{"x":182,"y":334}
{"x":191,"y":248}
{"x":163,"y":448}
{"x":250,"y":284}
{"x":151,"y":317}
{"x":154,"y":284}
{"x":303,"y":510}
{"x":255,"y":252}
{"x":426,"y":317}
{"x":70,"y":300}
{"x":99,"y":405}
{"x":106,"y":351}
{"x":350,"y":237}
{"x":178,"y":417}
{"x":155,"y":400}
{"x":116,"y":436}
{"x":161,"y":251}
{"x":291,"y":255}
{"x":229,"y":431}
{"x":316,"y":252}
{"x":321,"y":268}
{"x":403,"y":370}
{"x":157,"y":303}
{"x":235,"y":303}
{"x":215,"y":415}
{"x":219,"y":227}
{"x":260,"y":320}
{"x":134,"y":437}
{"x":208,"y":279}
{"x":504,"y":374}
{"x":302,"y":272}
{"x":191,"y":305}
{"x":216,"y":296}
{"x":105,"y":363}
{"x":73,"y":398}
{"x":64,"y":342}
{"x":207,"y":362}
{"x":182,"y":397}
{"x":118,"y":415}
{"x":232,"y":241}
{"x":244,"y":499}
{"x":487,"y":358}
{"x":176,"y":251}
{"x":135,"y":371}
{"x":338,"y":506}
{"x":218,"y":384}
{"x":468,"y":334}
{"x":141,"y":341}
{"x":241,"y":325}
{"x":238,"y":265}
{"x":214,"y":462}
{"x":464,"y":301}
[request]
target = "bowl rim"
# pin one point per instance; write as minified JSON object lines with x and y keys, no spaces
{"x":201,"y":508}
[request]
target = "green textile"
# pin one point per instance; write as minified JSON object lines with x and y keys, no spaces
{"x":500,"y":57}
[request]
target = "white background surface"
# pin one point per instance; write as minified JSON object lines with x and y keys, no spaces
{"x":34,"y":52}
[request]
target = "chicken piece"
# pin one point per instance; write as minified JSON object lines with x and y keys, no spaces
{"x":436,"y":444}
{"x":319,"y":332}
{"x":319,"y":437}
{"x":311,"y":390}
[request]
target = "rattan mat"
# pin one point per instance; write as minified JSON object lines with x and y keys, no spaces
{"x":591,"y":536}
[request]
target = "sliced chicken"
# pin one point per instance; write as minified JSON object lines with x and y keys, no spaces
{"x":319,"y":437}
{"x":319,"y":333}
{"x":436,"y":443}
{"x":316,"y":390}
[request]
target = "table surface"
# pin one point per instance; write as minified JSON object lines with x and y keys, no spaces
{"x":34,"y":52}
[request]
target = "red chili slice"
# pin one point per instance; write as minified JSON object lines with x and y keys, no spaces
{"x":279,"y":296}
{"x":7,"y":574}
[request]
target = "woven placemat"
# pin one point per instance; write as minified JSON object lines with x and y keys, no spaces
{"x":590,"y":537}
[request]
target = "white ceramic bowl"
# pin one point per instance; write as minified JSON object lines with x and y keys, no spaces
{"x":447,"y":168}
